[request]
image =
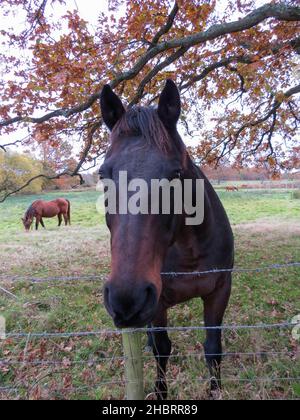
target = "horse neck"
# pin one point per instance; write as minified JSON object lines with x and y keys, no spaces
{"x":195,"y":236}
{"x":193,"y":172}
{"x":30,"y":212}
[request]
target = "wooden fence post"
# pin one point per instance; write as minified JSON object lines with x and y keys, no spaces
{"x":132,"y":347}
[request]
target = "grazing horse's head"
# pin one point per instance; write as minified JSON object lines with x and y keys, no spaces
{"x":28,"y":219}
{"x":146,"y":145}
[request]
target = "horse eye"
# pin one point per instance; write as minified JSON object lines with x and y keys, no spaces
{"x":104,"y":173}
{"x":178,"y":174}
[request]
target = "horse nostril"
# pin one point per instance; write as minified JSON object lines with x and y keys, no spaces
{"x":150,"y":294}
{"x":106,"y":292}
{"x":107,"y":303}
{"x":128,"y":307}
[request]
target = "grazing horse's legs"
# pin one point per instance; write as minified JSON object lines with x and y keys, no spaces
{"x":65,"y":219}
{"x":162,"y":350}
{"x":59,"y":219}
{"x":37,"y":221}
{"x":214,"y":308}
{"x":42,"y":223}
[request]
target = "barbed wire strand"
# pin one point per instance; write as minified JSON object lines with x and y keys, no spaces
{"x":233,"y":270}
{"x":91,"y":362}
{"x":124,"y":382}
{"x":31,"y":279}
{"x":7,"y":292}
{"x":146,"y":330}
{"x":155,"y":329}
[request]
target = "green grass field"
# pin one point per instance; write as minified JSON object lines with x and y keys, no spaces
{"x":267,"y":231}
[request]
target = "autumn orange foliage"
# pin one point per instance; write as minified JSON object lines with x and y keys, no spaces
{"x":235,"y":65}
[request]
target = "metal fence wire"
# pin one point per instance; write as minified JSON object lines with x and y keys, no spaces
{"x":92,"y":387}
{"x":107,"y":332}
{"x":95,"y":277}
{"x":90,"y":362}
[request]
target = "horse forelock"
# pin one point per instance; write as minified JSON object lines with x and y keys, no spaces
{"x":145,"y":122}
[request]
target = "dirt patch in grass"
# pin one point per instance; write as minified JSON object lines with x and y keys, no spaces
{"x":68,"y":251}
{"x":271,"y":227}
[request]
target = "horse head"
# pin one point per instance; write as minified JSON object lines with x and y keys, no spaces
{"x":145,"y":145}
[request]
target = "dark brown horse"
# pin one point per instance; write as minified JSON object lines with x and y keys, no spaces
{"x":145,"y":143}
{"x":45,"y":209}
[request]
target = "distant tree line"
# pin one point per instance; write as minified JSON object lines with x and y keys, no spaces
{"x":16,"y":169}
{"x":229,"y":173}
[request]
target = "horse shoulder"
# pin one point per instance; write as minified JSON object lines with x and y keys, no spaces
{"x":37,"y":204}
{"x":61,"y":201}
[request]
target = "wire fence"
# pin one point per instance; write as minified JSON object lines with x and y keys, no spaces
{"x":32,"y":279}
{"x":122,"y":382}
{"x":92,"y":362}
{"x":35,"y":387}
{"x":92,"y":387}
{"x":106,"y":332}
{"x":66,"y":364}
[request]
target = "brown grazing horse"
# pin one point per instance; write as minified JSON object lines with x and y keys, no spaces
{"x":232,"y":188}
{"x":40,"y":208}
{"x":145,"y":143}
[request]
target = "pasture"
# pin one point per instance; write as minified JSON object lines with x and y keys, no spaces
{"x":267,"y":231}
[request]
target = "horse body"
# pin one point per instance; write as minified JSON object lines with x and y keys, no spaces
{"x":145,"y":143}
{"x":232,"y":188}
{"x":199,"y":248}
{"x":40,"y":209}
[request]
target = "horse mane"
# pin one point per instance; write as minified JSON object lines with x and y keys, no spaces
{"x":30,"y":212}
{"x":145,"y":122}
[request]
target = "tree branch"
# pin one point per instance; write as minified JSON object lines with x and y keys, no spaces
{"x":30,"y":181}
{"x":279,"y":11}
{"x":292,"y":91}
{"x":140,"y":90}
{"x":93,"y":128}
{"x":14,"y":143}
{"x":63,"y":112}
{"x":218,"y":64}
{"x":165,"y":28}
{"x":37,"y":16}
{"x":269,"y":132}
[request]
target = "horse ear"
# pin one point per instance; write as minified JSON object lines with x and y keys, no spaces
{"x":111,"y":107}
{"x":169,"y":104}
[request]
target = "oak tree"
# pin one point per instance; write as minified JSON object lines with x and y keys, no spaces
{"x":235,"y":62}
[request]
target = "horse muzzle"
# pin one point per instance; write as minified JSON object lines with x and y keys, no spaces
{"x":133,"y":306}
